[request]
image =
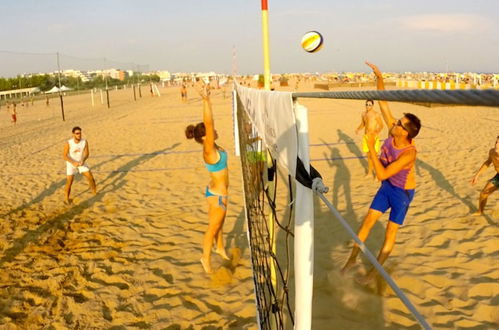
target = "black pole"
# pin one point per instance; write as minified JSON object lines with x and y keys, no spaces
{"x":107,"y":95}
{"x":62,"y":106}
{"x":134,"y":95}
{"x":140,"y":91}
{"x":60,"y":94}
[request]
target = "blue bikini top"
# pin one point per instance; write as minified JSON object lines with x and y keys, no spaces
{"x":220,"y":165}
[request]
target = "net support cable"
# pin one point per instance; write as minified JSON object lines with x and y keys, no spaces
{"x":476,"y":97}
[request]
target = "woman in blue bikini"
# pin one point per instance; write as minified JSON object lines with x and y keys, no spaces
{"x":215,"y":159}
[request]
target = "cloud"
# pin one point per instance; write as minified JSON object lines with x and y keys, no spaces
{"x":450,"y":23}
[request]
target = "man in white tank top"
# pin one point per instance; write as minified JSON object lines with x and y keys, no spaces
{"x":75,"y":154}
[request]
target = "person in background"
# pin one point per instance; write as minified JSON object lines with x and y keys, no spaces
{"x":372,"y":123}
{"x":76,"y":152}
{"x":493,"y":183}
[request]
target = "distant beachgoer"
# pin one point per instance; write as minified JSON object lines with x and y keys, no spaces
{"x":216,"y":193}
{"x":13,"y":112}
{"x":47,"y":101}
{"x":76,"y":152}
{"x":493,"y":183}
{"x":395,"y":168}
{"x":183,"y":93}
{"x":372,"y":123}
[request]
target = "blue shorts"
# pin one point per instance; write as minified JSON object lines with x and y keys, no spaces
{"x":398,"y":199}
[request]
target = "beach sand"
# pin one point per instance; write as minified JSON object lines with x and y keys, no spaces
{"x":129,"y":256}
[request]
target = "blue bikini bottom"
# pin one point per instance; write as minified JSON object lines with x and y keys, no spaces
{"x":208,"y":193}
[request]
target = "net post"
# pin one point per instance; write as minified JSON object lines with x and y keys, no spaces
{"x":235,"y":123}
{"x":265,"y":41}
{"x":157,"y":90}
{"x":107,"y":97}
{"x":304,"y":231}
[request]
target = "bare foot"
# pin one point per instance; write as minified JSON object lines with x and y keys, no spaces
{"x":68,"y":201}
{"x":367,"y":175}
{"x":222,"y":253}
{"x":347,"y":266}
{"x":206,"y":266}
{"x":364,"y":280}
{"x":477,"y":213}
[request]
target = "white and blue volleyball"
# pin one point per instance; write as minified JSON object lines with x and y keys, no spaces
{"x":312,"y":41}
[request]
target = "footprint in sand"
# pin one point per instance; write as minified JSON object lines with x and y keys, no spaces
{"x":224,"y":274}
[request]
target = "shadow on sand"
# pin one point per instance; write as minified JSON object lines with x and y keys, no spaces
{"x":114,"y":181}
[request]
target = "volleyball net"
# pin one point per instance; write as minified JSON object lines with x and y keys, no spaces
{"x":272,"y":207}
{"x":268,"y":217}
{"x":272,"y":141}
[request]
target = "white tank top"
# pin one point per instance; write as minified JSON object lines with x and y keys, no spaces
{"x":76,"y":149}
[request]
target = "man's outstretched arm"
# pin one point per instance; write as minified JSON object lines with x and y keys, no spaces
{"x":380,"y":84}
{"x":484,"y":166}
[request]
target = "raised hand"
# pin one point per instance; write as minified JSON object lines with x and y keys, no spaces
{"x":203,"y":90}
{"x":374,"y":68}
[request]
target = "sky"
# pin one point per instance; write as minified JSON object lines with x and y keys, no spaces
{"x":200,"y":35}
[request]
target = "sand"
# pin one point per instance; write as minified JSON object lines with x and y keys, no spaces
{"x":129,"y":257}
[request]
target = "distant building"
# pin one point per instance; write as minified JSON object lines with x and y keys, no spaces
{"x":19,"y":93}
{"x":111,"y":73}
{"x":116,"y":74}
{"x":164,"y":75}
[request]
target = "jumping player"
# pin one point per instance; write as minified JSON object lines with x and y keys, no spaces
{"x":216,"y":192}
{"x":395,"y":168}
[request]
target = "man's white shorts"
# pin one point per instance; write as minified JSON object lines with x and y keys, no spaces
{"x":72,"y":170}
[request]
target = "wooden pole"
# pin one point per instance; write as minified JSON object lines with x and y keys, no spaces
{"x":60,"y":94}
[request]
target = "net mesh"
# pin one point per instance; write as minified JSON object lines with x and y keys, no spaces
{"x":269,"y":220}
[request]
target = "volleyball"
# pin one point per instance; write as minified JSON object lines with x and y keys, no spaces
{"x":312,"y":41}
